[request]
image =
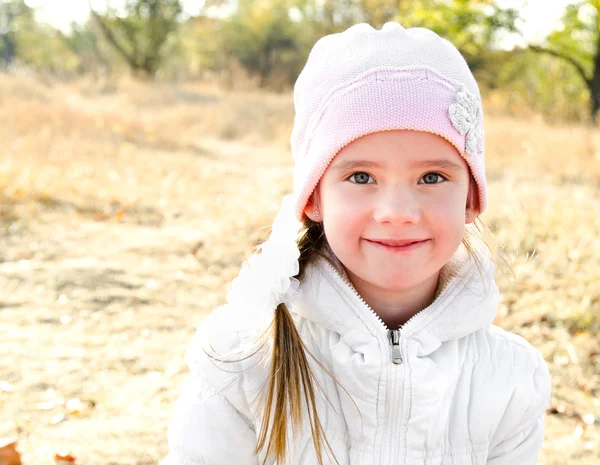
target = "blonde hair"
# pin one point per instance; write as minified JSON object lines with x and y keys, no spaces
{"x":291,"y":379}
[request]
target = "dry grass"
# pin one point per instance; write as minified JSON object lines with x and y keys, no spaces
{"x":124,"y":215}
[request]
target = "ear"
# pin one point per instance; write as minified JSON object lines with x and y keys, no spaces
{"x":309,"y":209}
{"x":472,"y":208}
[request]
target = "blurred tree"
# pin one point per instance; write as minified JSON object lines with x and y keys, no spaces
{"x":522,"y":82}
{"x":83,"y":41}
{"x":26,"y":41}
{"x":337,"y":15}
{"x":14,"y":14}
{"x":201,"y":46}
{"x":262,"y":37}
{"x":577,"y":42}
{"x":274,"y":37}
{"x":471,"y":25}
{"x":141,"y":36}
{"x":44,"y":48}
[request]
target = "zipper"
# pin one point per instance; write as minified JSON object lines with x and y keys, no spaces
{"x":396,"y":356}
{"x":394,"y":336}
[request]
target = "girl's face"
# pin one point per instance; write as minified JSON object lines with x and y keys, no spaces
{"x":397,"y":185}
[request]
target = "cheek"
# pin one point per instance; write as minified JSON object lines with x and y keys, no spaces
{"x":451,"y":200}
{"x":447,"y":212}
{"x":344,"y":217}
{"x":342,"y":204}
{"x":447,"y":207}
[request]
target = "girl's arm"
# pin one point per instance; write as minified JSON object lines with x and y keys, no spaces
{"x":211,"y":424}
{"x":208,"y":430}
{"x":522,"y":448}
{"x":523,"y":425}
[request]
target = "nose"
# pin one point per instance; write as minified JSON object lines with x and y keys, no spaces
{"x":398,"y":205}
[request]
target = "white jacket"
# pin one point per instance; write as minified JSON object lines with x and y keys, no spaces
{"x":465,"y":393}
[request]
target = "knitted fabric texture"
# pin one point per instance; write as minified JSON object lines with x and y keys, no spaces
{"x":365,"y":80}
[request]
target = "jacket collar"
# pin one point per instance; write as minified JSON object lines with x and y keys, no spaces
{"x":466,"y":302}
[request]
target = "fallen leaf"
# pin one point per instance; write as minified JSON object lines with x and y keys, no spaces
{"x":119,"y":214}
{"x":8,"y":452}
{"x":64,"y":457}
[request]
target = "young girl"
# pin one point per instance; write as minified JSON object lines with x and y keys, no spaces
{"x":361,"y":334}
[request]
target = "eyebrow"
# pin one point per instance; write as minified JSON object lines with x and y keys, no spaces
{"x":434,"y":163}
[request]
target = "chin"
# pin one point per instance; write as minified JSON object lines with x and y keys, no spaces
{"x":399,"y":281}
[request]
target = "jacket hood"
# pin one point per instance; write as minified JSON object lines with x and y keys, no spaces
{"x":468,"y":301}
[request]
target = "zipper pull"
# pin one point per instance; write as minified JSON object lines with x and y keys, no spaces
{"x":394,"y":337}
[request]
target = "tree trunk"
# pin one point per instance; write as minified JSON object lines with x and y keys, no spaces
{"x":594,"y":85}
{"x":8,"y":49}
{"x":594,"y":89}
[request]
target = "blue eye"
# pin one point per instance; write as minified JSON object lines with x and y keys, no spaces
{"x":362,"y":176}
{"x":433,"y":178}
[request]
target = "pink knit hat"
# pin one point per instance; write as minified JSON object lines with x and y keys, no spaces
{"x":365,"y":80}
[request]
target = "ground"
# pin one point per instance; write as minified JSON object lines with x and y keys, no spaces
{"x":126,"y":209}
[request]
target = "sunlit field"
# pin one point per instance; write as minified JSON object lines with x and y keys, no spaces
{"x":127,"y":209}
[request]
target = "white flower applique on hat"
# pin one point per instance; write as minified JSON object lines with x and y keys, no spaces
{"x":466,"y":117}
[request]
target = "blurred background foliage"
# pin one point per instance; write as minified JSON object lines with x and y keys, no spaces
{"x":264,"y":43}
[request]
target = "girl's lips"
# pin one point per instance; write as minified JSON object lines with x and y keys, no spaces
{"x":398,"y":248}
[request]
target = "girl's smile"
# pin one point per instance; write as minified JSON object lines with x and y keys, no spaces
{"x":398,"y":246}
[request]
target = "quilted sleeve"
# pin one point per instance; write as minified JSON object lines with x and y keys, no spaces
{"x":212,"y":425}
{"x":208,"y":430}
{"x":522,"y":448}
{"x":522,"y":431}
